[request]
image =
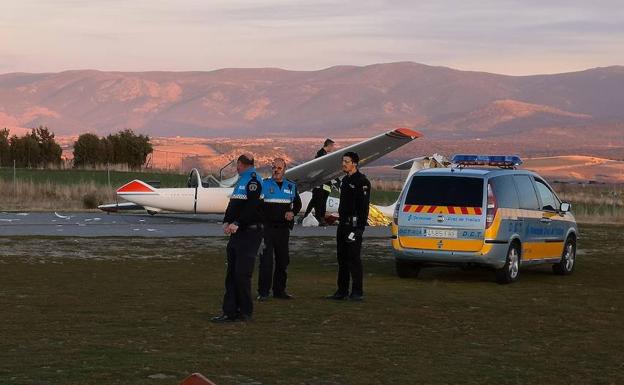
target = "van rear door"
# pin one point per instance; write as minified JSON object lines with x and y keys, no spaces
{"x":443,"y":212}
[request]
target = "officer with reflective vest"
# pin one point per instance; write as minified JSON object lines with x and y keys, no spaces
{"x":243,"y":223}
{"x":353,"y":212}
{"x":281,"y":204}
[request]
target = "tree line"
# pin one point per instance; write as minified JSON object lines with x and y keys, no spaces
{"x":39,"y":149}
{"x":35,"y":149}
{"x":124,"y":147}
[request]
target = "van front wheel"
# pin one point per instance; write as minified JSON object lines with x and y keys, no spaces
{"x":568,"y":259}
{"x":510,"y":272}
{"x":407,"y":269}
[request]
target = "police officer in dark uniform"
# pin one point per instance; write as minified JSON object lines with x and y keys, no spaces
{"x":281,"y":204}
{"x":353,"y":211}
{"x":320,"y":193}
{"x":243,"y":223}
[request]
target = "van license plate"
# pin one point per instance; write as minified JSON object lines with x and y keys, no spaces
{"x":440,"y":233}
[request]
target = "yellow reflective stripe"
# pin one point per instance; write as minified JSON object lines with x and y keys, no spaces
{"x":447,"y":244}
{"x":541,"y":250}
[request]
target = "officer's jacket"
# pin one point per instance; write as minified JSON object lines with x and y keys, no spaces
{"x":319,"y":154}
{"x":245,"y":203}
{"x":354,"y":200}
{"x":279,"y":199}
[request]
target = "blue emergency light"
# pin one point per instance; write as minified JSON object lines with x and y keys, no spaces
{"x":503,"y":161}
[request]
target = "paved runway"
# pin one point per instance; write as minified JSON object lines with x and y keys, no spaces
{"x":136,"y":225}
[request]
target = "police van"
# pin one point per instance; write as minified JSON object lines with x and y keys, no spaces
{"x":491,"y":215}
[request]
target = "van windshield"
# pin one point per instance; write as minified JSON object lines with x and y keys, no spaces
{"x":445,"y":191}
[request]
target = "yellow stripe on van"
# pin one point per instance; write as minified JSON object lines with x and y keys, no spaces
{"x":541,"y":250}
{"x":441,"y":244}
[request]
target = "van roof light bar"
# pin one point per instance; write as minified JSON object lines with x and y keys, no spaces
{"x":502,"y":161}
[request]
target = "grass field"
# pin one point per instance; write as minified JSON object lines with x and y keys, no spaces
{"x":118,"y":311}
{"x":97,"y":177}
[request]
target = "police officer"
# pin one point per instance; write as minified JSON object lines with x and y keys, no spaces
{"x":353,"y":211}
{"x":320,"y":193}
{"x":242,"y":222}
{"x":281,"y":204}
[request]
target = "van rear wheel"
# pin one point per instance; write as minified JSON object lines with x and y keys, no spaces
{"x":510,"y":272}
{"x":407,"y":269}
{"x":568,"y":258}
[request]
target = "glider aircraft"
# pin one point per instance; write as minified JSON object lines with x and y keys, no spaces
{"x":211,"y":196}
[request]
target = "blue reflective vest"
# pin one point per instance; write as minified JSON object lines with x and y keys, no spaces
{"x":274,"y":194}
{"x":240,"y":188}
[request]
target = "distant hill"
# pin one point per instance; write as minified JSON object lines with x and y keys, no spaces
{"x":337,"y":101}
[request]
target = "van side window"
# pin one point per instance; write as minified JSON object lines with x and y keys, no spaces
{"x":505,"y":192}
{"x":526,"y":192}
{"x":549,"y":201}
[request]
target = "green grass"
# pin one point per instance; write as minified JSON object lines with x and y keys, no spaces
{"x":598,"y":213}
{"x":100,"y":177}
{"x":115,"y":311}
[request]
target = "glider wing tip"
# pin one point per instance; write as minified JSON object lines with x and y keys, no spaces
{"x":408,"y":132}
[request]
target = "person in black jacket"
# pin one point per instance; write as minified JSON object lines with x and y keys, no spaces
{"x":281,"y":204}
{"x":353,"y":212}
{"x":320,"y":193}
{"x":243,"y":223}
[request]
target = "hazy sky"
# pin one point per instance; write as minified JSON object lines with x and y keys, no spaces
{"x":502,"y":36}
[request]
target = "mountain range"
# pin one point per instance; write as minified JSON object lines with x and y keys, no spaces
{"x":338,"y":101}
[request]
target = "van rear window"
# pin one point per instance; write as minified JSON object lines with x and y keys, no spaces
{"x":445,"y":191}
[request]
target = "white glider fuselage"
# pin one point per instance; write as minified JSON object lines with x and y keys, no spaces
{"x":205,"y":200}
{"x":200,"y":200}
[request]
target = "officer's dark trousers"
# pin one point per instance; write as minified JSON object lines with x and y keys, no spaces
{"x":318,"y":202}
{"x":275,"y":243}
{"x":349,"y":262}
{"x":241,"y":254}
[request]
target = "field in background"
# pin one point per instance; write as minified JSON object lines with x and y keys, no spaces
{"x":54,"y":190}
{"x":136,"y":311}
{"x":603,"y":164}
{"x":85,"y":189}
{"x":97,"y":177}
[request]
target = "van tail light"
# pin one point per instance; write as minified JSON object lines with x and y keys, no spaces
{"x":395,"y":215}
{"x":397,"y":205}
{"x":492,"y":207}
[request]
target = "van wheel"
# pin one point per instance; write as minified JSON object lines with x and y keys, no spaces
{"x":407,"y":269}
{"x":568,"y":258}
{"x":510,"y":272}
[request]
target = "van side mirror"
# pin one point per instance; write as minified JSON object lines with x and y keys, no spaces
{"x":565,"y":207}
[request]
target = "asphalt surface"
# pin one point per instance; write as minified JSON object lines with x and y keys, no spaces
{"x":62,"y":224}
